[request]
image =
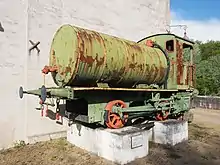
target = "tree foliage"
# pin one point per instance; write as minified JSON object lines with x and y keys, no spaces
{"x":209,"y":49}
{"x":207,"y":60}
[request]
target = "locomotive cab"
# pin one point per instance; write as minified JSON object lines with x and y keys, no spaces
{"x":180,"y":53}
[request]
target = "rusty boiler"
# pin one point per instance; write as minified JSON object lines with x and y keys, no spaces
{"x":81,"y":57}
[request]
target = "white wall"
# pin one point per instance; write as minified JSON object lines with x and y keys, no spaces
{"x":12,"y":70}
{"x":37,"y":21}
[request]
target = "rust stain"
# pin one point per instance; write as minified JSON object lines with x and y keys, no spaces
{"x":133,"y":46}
{"x":97,"y":36}
{"x":179,"y":62}
{"x":87,"y":59}
{"x":172,"y":72}
{"x":172,"y":62}
{"x":99,"y":62}
{"x":159,"y":69}
{"x":151,"y":69}
{"x":141,"y":66}
{"x":188,"y":75}
{"x":162,"y":72}
{"x":88,"y":39}
{"x":132,"y":56}
{"x":115,"y":75}
{"x":68,"y":69}
{"x":191,"y":74}
{"x":132,"y":66}
{"x":147,"y":67}
{"x":152,"y":73}
{"x":137,"y":61}
{"x":118,"y":73}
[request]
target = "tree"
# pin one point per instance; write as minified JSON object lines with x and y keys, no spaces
{"x":207,"y":59}
{"x":210,"y":48}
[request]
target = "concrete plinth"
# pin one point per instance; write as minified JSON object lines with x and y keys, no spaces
{"x":119,"y":145}
{"x":169,"y":132}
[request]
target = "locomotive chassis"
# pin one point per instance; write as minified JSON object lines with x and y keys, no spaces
{"x":116,"y":107}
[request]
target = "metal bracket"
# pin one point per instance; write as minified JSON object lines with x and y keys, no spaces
{"x":168,"y":29}
{"x":34,"y":46}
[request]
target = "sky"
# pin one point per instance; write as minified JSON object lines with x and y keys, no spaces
{"x":202,"y":18}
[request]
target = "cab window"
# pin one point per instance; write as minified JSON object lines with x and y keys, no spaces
{"x":170,"y":46}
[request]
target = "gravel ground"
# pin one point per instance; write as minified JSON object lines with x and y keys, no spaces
{"x":203,"y":148}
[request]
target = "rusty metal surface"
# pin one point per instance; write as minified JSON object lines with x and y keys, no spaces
{"x":187,"y":80}
{"x":84,"y":58}
{"x":179,"y":56}
{"x":172,"y":71}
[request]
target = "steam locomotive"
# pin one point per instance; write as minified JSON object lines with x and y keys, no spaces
{"x":110,"y":81}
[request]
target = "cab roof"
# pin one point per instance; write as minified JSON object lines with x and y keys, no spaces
{"x":168,"y":34}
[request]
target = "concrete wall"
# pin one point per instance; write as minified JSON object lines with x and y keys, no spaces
{"x":207,"y":102}
{"x":13,"y":70}
{"x":37,"y":20}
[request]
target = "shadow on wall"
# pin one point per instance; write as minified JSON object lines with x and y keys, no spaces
{"x":1,"y":28}
{"x":51,"y":115}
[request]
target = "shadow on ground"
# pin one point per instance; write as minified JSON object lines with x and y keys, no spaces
{"x":203,"y":148}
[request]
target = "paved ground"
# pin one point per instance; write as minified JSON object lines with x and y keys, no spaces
{"x":203,"y":148}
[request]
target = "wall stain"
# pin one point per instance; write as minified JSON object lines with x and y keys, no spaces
{"x":1,"y":28}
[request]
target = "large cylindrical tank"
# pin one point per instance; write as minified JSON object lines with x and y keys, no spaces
{"x":84,"y":58}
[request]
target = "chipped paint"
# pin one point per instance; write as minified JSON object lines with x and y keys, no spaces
{"x":179,"y":54}
{"x":88,"y":57}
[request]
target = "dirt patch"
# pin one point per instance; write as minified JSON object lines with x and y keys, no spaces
{"x":48,"y":153}
{"x":203,"y":148}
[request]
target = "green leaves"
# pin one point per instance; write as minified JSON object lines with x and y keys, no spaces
{"x":209,"y":49}
{"x":207,"y":59}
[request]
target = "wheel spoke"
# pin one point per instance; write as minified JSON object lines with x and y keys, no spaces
{"x":114,"y":119}
{"x":160,"y":116}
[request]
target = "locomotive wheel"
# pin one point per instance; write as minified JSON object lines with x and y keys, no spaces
{"x":114,"y":120}
{"x":162,"y":117}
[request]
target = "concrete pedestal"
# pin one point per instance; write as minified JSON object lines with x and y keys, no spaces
{"x":119,"y":145}
{"x":169,"y":132}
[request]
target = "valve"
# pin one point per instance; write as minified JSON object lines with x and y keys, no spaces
{"x":48,"y":69}
{"x":114,"y":120}
{"x":150,"y":43}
